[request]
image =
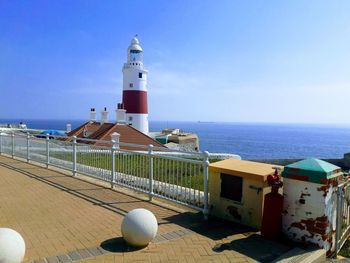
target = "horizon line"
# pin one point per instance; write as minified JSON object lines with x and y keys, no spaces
{"x":188,"y":121}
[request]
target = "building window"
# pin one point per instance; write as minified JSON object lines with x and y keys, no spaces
{"x":131,"y":85}
{"x":130,"y":118}
{"x":231,"y":187}
{"x":140,"y":75}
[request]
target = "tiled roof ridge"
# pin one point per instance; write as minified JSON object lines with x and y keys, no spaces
{"x":102,"y":131}
{"x":77,"y":130}
{"x":156,"y":143}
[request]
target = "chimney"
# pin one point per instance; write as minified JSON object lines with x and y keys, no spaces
{"x":104,"y":116}
{"x":68,"y":127}
{"x":120,"y":114}
{"x":115,"y":137}
{"x":92,"y":115}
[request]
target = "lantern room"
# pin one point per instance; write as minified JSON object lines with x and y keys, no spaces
{"x":135,"y":51}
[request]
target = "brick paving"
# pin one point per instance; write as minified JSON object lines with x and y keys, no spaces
{"x":65,"y":219}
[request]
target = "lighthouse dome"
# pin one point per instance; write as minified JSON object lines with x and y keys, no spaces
{"x":134,"y":41}
{"x":135,"y":44}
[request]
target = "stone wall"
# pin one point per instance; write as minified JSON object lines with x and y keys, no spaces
{"x":309,"y":212}
{"x":346,"y":160}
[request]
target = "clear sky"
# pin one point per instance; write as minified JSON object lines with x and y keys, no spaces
{"x":239,"y":61}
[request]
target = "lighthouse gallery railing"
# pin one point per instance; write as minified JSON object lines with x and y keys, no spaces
{"x":179,"y":177}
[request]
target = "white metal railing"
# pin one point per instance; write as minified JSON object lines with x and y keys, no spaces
{"x":177,"y":176}
{"x":343,"y":215}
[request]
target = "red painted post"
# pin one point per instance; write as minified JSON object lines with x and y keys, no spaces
{"x":271,"y":226}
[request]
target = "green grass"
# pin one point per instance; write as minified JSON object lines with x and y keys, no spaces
{"x":164,"y":170}
{"x":345,"y":251}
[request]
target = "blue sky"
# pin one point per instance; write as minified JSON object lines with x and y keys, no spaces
{"x":239,"y":61}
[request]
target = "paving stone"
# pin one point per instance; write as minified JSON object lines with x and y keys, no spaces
{"x":94,"y":251}
{"x":159,"y":239}
{"x":174,"y":234}
{"x":187,"y":231}
{"x":84,"y":253}
{"x":52,"y":260}
{"x":74,"y":255}
{"x":42,"y":260}
{"x":64,"y":258}
{"x":167,"y":236}
{"x":180,"y":233}
{"x":103,"y":251}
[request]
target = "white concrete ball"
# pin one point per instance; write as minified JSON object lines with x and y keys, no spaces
{"x":12,"y":246}
{"x":139,"y":227}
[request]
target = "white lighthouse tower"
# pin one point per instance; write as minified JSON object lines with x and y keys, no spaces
{"x":135,"y":88}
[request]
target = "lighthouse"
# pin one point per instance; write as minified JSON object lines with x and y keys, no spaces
{"x":135,"y":88}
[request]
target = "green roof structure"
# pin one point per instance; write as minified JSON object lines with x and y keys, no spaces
{"x":312,"y":170}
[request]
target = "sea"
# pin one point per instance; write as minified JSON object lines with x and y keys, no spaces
{"x":249,"y":140}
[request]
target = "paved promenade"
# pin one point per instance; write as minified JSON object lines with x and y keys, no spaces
{"x":66,"y":219}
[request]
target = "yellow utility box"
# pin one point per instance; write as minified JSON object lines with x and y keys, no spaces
{"x":237,"y":189}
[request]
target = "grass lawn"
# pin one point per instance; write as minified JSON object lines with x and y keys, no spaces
{"x":345,"y":251}
{"x":170,"y":171}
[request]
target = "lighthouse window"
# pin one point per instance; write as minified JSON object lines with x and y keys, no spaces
{"x":130,"y":118}
{"x":140,"y":75}
{"x":131,"y":85}
{"x":231,"y":187}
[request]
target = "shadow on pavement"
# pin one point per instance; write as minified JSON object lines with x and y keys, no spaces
{"x":96,"y":194}
{"x":213,"y":228}
{"x":256,"y":247}
{"x":118,"y":244}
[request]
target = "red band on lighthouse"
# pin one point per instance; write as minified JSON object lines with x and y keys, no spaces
{"x":135,"y":101}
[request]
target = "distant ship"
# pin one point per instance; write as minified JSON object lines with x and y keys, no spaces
{"x":206,"y":122}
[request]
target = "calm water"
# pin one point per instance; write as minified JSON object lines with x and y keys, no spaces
{"x":251,"y":141}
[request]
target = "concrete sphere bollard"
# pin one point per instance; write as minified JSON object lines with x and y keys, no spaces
{"x":12,"y":246}
{"x":139,"y":227}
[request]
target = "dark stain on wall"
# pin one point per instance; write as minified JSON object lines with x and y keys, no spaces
{"x":234,"y":212}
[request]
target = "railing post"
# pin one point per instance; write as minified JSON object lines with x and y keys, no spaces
{"x":206,"y":179}
{"x":150,"y":181}
{"x":47,"y":151}
{"x":28,"y":138}
{"x":338,"y":218}
{"x":113,"y":149}
{"x":74,"y":155}
{"x":13,"y":144}
{"x":0,"y":143}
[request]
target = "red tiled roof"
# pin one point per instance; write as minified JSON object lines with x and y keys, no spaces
{"x":101,"y":131}
{"x":91,"y":127}
{"x":128,"y":134}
